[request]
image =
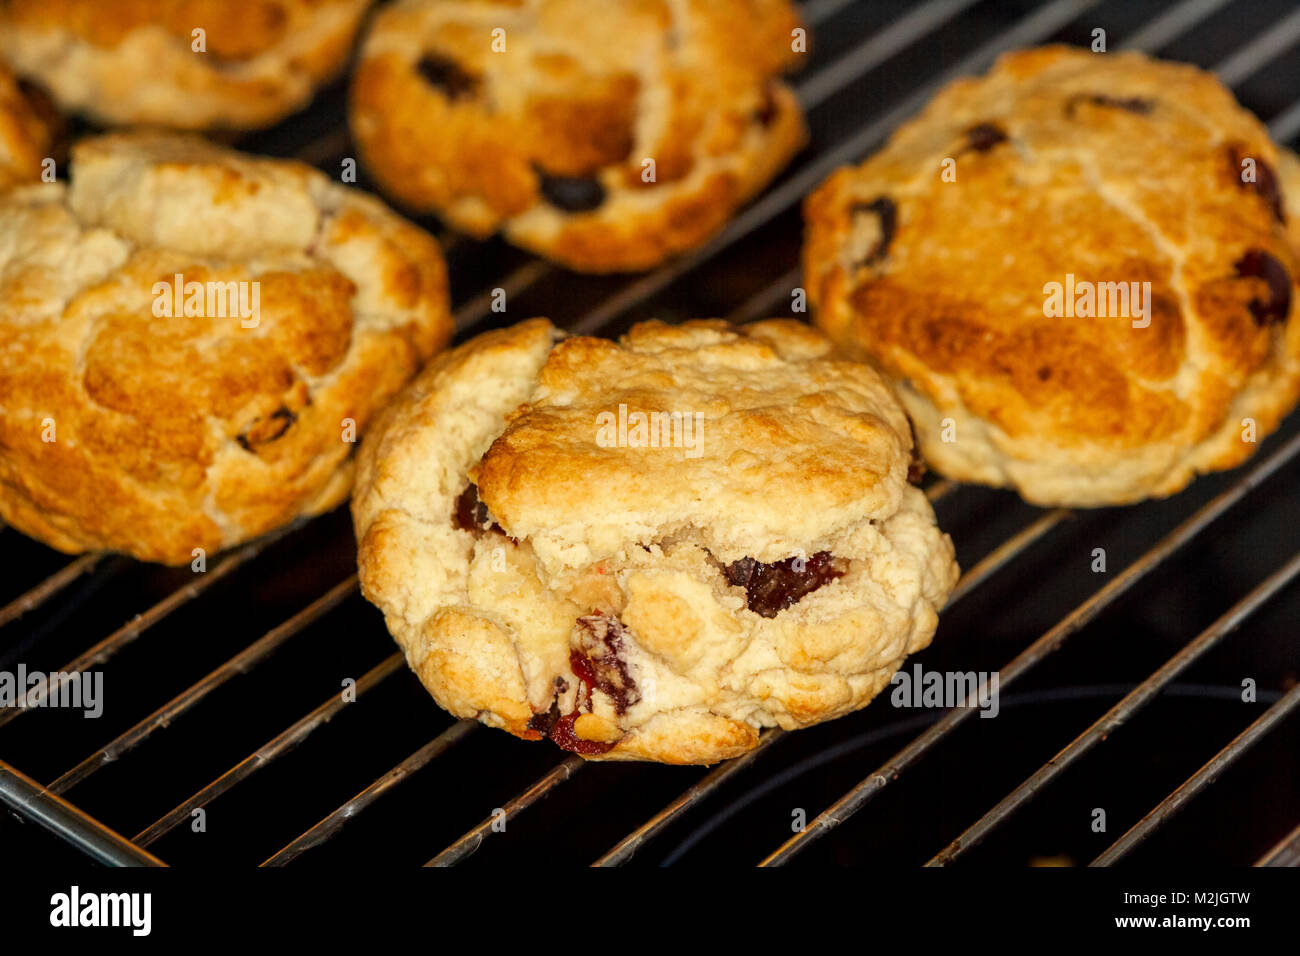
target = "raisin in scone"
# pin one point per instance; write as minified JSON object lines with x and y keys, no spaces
{"x":603,"y":139}
{"x":136,"y":62}
{"x":28,"y":129}
{"x":138,"y":420}
{"x":1078,"y":272}
{"x":649,"y":549}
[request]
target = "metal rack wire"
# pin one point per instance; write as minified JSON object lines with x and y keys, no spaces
{"x":49,"y":806}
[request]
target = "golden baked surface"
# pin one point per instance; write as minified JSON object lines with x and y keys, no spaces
{"x":133,"y":61}
{"x":27,"y":131}
{"x":547,"y":139}
{"x":552,"y":570}
{"x":1071,"y":167}
{"x":154,"y":434}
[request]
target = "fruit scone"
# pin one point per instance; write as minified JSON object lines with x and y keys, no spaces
{"x":191,"y":341}
{"x":1078,"y":272}
{"x":606,"y":137}
{"x":185,"y":64}
{"x":649,"y":549}
{"x":29,"y":128}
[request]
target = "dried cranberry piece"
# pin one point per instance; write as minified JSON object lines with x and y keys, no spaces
{"x":42,"y":104}
{"x":264,"y":430}
{"x":560,"y":728}
{"x":544,"y":722}
{"x":915,"y":464}
{"x":771,"y":588}
{"x":566,"y":739}
{"x":572,"y":193}
{"x":1260,"y":265}
{"x":739,"y":572}
{"x":38,"y":99}
{"x":767,"y":111}
{"x":1266,"y":183}
{"x":1133,"y":104}
{"x":884,"y":208}
{"x":598,"y":660}
{"x":446,"y":75}
{"x":915,"y":468}
{"x":472,"y":515}
{"x":984,"y":136}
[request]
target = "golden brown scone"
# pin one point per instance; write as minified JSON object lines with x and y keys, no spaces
{"x":656,"y":590}
{"x":1290,"y":172}
{"x":134,"y":61}
{"x":1085,"y":168}
{"x":28,"y":128}
{"x":127,"y":424}
{"x":548,"y":139}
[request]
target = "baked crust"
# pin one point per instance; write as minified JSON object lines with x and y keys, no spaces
{"x":1109,"y":168}
{"x":28,"y":129}
{"x":132,"y":62}
{"x":184,"y":432}
{"x":693,"y":86}
{"x":597,"y":594}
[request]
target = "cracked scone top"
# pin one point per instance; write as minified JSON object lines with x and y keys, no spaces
{"x":130,"y":427}
{"x":553,"y":568}
{"x":1071,"y":167}
{"x":537,"y":118}
{"x":134,"y":62}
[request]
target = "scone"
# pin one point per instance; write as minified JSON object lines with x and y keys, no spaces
{"x":1078,"y":273}
{"x":650,"y":549}
{"x":193,"y":339}
{"x":28,"y":129}
{"x":604,"y":140}
{"x":139,"y":62}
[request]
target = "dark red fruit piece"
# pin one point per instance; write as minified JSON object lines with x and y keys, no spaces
{"x":1260,"y":265}
{"x":598,"y":659}
{"x":915,"y":468}
{"x":472,"y":515}
{"x":1133,"y":104}
{"x":545,"y":721}
{"x":884,"y":208}
{"x":771,"y":588}
{"x":984,"y":136}
{"x":559,"y":728}
{"x":447,"y":75}
{"x":262,"y":431}
{"x":1266,"y":183}
{"x":766,"y":113}
{"x":572,"y":193}
{"x":565,"y":738}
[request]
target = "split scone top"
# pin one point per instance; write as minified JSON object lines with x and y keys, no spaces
{"x":1079,"y":170}
{"x":28,"y":127}
{"x":135,"y":420}
{"x":135,"y":62}
{"x":634,"y":588}
{"x":540,"y":117}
